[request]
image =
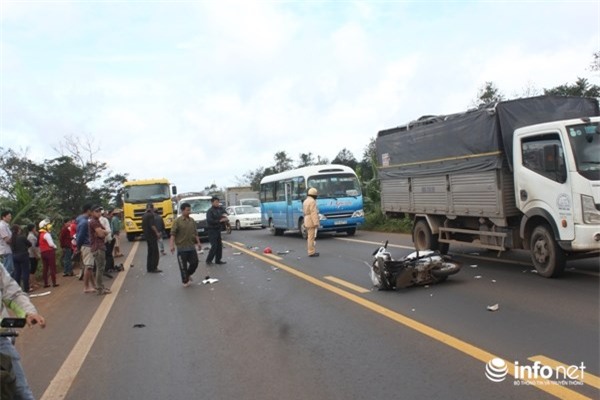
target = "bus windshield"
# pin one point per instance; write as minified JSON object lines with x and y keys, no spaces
{"x":335,"y":185}
{"x":144,"y":193}
{"x":585,"y":141}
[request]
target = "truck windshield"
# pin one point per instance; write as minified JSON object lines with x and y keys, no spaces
{"x":144,"y":193}
{"x":337,"y":185}
{"x":199,"y":205}
{"x":585,"y":141}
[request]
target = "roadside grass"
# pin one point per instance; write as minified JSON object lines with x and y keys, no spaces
{"x":377,"y":221}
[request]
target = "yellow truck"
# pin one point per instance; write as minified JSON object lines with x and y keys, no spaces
{"x":137,"y":194}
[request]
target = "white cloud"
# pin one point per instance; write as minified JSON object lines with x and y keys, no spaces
{"x":204,"y":92}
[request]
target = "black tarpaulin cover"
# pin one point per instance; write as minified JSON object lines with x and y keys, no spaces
{"x":472,"y":141}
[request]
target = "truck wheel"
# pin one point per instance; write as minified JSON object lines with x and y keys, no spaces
{"x":548,"y":258}
{"x":302,"y":229}
{"x":130,"y":237}
{"x":423,"y":239}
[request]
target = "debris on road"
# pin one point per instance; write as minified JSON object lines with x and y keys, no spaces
{"x":210,"y":281}
{"x":477,"y":277}
{"x":268,"y":250}
{"x":473,"y":265}
{"x":274,"y":268}
{"x":139,"y":326}
{"x":238,"y":253}
{"x":494,"y":307}
{"x":40,"y":294}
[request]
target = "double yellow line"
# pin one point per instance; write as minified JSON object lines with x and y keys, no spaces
{"x":550,"y":387}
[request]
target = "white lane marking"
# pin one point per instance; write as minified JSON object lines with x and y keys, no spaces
{"x":60,"y":385}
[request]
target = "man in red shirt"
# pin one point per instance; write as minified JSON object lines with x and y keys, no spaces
{"x":65,"y":238}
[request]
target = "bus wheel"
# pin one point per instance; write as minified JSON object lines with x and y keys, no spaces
{"x":302,"y":229}
{"x":548,"y":258}
{"x":274,"y":231}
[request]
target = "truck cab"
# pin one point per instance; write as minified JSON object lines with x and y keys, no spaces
{"x":557,"y":188}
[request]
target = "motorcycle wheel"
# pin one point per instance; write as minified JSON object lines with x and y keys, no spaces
{"x":384,"y":282}
{"x":446,"y":269}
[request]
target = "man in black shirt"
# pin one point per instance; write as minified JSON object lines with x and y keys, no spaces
{"x":214,"y":217}
{"x":151,"y":234}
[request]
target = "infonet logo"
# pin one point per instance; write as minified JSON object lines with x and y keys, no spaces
{"x":496,"y":370}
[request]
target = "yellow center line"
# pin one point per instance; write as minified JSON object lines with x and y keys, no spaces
{"x":588,"y":378}
{"x":349,"y":285}
{"x":62,"y":381}
{"x":444,"y":338}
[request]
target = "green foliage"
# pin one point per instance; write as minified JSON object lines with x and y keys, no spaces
{"x":375,"y":220}
{"x":581,"y":87}
{"x":55,"y":188}
{"x":345,"y":157}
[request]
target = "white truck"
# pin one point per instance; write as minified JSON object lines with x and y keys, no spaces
{"x":199,"y":205}
{"x":521,"y":174}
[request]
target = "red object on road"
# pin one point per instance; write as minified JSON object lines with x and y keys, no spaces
{"x":267,"y":250}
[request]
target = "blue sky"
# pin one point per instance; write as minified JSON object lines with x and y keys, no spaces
{"x":201,"y":92}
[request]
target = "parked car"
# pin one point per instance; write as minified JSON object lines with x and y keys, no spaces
{"x":244,"y":217}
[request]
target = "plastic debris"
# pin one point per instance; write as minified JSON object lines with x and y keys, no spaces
{"x":413,"y":310}
{"x":493,"y":281}
{"x":40,"y":294}
{"x":274,"y":268}
{"x":268,"y":250}
{"x":473,"y":265}
{"x":283,"y":252}
{"x":494,"y":307}
{"x":534,"y":271}
{"x":477,"y":277}
{"x":210,"y":281}
{"x":139,"y":326}
{"x":238,"y":253}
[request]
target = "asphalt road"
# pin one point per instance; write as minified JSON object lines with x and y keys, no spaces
{"x":291,"y":327}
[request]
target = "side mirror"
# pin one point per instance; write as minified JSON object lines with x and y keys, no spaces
{"x":174,"y":190}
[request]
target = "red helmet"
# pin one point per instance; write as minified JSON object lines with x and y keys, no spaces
{"x":267,"y":250}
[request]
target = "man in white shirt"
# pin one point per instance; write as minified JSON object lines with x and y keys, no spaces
{"x":6,"y":256}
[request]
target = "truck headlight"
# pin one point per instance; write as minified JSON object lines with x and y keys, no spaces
{"x":358,"y":213}
{"x":591,"y":215}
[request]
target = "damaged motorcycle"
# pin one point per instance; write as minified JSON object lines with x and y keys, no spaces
{"x":423,"y":267}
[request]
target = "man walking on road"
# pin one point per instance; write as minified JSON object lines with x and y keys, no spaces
{"x":151,"y":234}
{"x":214,"y":218}
{"x":185,"y":237}
{"x":311,"y":221}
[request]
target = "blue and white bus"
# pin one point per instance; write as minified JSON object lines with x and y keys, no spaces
{"x":340,"y":200}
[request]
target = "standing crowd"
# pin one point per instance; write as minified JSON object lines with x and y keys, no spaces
{"x":91,"y":242}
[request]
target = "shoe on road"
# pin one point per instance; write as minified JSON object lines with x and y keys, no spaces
{"x":155,"y":271}
{"x":221,"y":262}
{"x":314,"y":255}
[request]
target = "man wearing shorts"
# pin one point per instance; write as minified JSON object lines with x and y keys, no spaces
{"x":84,"y":246}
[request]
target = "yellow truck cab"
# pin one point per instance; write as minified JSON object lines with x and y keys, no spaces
{"x":137,"y":194}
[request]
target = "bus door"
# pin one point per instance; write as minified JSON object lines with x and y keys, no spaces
{"x":289,"y":210}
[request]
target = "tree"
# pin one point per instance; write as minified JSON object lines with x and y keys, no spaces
{"x":322,"y":161}
{"x":345,"y":157}
{"x":595,"y":66}
{"x":282,"y":162}
{"x":488,"y":93}
{"x":581,"y":87}
{"x":306,"y":159}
